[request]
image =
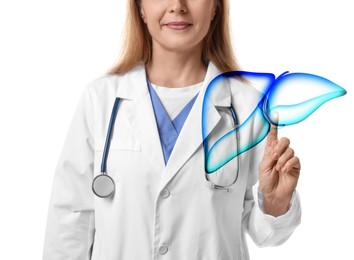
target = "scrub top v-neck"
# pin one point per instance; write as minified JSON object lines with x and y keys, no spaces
{"x":169,"y":129}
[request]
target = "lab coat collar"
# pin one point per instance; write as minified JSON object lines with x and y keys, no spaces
{"x":133,"y":86}
{"x":138,"y":75}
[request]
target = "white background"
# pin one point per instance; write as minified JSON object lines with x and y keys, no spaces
{"x":50,"y":50}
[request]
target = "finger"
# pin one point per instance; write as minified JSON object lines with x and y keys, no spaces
{"x":268,"y":161}
{"x":292,"y":166}
{"x":280,"y":148}
{"x":271,"y":156}
{"x":273,"y":131}
{"x":284,"y":158}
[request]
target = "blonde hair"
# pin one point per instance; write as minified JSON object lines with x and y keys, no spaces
{"x":137,"y":43}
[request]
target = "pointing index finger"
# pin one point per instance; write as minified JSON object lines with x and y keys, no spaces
{"x":273,"y":131}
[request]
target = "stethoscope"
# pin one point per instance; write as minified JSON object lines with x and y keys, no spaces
{"x":226,"y":188}
{"x":103,"y":185}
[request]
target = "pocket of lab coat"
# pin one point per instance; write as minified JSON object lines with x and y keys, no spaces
{"x":117,"y":146}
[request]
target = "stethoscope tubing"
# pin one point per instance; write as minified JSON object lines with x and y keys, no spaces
{"x":109,"y":136}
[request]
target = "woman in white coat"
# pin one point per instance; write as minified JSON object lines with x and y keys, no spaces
{"x":162,"y":208}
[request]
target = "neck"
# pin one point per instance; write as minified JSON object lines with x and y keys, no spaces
{"x":176,"y":69}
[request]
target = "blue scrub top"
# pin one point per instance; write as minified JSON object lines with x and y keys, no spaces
{"x":168,"y":130}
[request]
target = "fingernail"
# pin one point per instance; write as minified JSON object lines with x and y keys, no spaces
{"x":277,"y":167}
{"x":275,"y":156}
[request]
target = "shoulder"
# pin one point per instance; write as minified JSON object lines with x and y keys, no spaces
{"x":101,"y":91}
{"x":108,"y":84}
{"x":245,"y":88}
{"x":104,"y":85}
{"x":245,"y":96}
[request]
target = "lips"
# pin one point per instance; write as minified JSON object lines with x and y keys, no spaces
{"x":178,"y":25}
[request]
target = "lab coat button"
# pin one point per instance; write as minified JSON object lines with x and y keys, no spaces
{"x":165,"y":193}
{"x":163,"y":250}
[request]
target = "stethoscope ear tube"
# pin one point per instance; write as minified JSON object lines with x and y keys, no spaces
{"x":213,"y":186}
{"x":103,"y":185}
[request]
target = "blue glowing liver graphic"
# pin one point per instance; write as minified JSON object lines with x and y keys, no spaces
{"x":285,"y":100}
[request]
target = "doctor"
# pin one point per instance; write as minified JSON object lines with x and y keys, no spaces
{"x":162,"y":208}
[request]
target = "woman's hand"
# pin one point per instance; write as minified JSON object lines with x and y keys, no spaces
{"x":279,"y":172}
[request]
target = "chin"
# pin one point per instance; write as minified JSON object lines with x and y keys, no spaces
{"x":180,"y":46}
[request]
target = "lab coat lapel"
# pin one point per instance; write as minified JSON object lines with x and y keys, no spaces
{"x":140,"y":114}
{"x":190,"y":137}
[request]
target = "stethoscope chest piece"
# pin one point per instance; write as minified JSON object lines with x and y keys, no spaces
{"x":103,"y":186}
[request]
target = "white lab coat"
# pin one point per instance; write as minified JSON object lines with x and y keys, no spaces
{"x":158,"y":211}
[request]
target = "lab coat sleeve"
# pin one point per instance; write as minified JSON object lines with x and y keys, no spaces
{"x":266,"y":230}
{"x":70,"y":222}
